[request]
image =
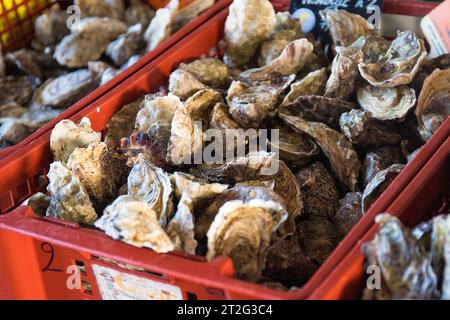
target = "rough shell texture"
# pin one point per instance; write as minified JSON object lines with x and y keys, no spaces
{"x":243,"y":232}
{"x":440,"y":62}
{"x":183,"y":84}
{"x":161,"y":25}
{"x":386,"y":103}
{"x":399,"y":65}
{"x":151,"y":148}
{"x":248,"y":24}
{"x":209,"y":71}
{"x":133,"y":221}
{"x":181,"y":228}
{"x":433,"y":106}
{"x":344,"y":73}
{"x":200,"y":104}
{"x":272,"y":48}
{"x":14,"y":130}
{"x":102,"y":8}
{"x":152,"y":185}
{"x":66,"y":136}
{"x":319,"y":191}
{"x":372,"y":47}
{"x":348,"y":213}
{"x":16,"y":89}
{"x":221,"y":118}
{"x":124,"y":47}
{"x":195,"y":188}
{"x":343,"y":158}
{"x":138,"y":12}
{"x":312,"y":84}
{"x":378,"y":184}
{"x":379,"y":159}
{"x":69,"y":200}
{"x":51,"y":26}
{"x":26,"y":61}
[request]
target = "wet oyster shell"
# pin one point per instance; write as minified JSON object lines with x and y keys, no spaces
{"x":348,"y":213}
{"x":273,"y":47}
{"x":139,"y":12}
{"x":39,"y":202}
{"x":127,"y":45}
{"x":181,"y":228}
{"x":378,"y":184}
{"x":152,"y":185}
{"x":248,"y":24}
{"x":433,"y":105}
{"x":133,"y":221}
{"x":379,"y":159}
{"x":372,"y":47}
{"x":243,"y":232}
{"x":151,"y":148}
{"x":312,"y":84}
{"x":319,"y":192}
{"x":339,"y":151}
{"x":386,"y":103}
{"x":183,"y":84}
{"x":344,"y":73}
{"x":361,"y":128}
{"x":51,"y":26}
{"x":69,"y":200}
{"x":66,"y":136}
{"x":318,"y":109}
{"x":97,"y":179}
{"x":101,"y":8}
{"x":346,"y":27}
{"x":209,"y":71}
{"x":200,"y":104}
{"x":399,"y":65}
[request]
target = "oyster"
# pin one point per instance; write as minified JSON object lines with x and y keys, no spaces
{"x":69,"y":200}
{"x":399,"y":65}
{"x":249,"y":23}
{"x":312,"y":84}
{"x":317,"y":237}
{"x":2,"y":63}
{"x":288,"y":264}
{"x":13,"y":130}
{"x":194,"y":188}
{"x":348,"y":213}
{"x":243,"y":232}
{"x":200,"y":104}
{"x":139,"y":12}
{"x":372,"y":47}
{"x":181,"y":228}
{"x":378,"y":184}
{"x":88,"y":165}
{"x":127,"y":45}
{"x":133,"y":221}
{"x":50,"y":27}
{"x":440,"y":62}
{"x":87,"y":41}
{"x":16,"y":89}
{"x":318,"y":109}
{"x":221,"y":118}
{"x":153,"y":185}
{"x":386,"y":103}
{"x":39,"y":202}
{"x":12,"y":110}
{"x":433,"y":106}
{"x":156,"y":116}
{"x":151,"y":148}
{"x":251,"y":104}
{"x":244,"y":193}
{"x":346,"y":27}
{"x":344,"y":73}
{"x":406,"y":271}
{"x":379,"y":159}
{"x":343,"y":158}
{"x":361,"y":128}
{"x":25,"y":60}
{"x":66,"y":136}
{"x":101,"y":8}
{"x":160,"y":26}
{"x":122,"y":123}
{"x":183,"y":84}
{"x":319,"y":192}
{"x":209,"y":71}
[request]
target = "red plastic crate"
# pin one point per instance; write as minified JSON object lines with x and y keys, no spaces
{"x":418,"y":202}
{"x":17,"y":20}
{"x":193,"y":275}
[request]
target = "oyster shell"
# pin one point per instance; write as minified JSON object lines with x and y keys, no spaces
{"x":433,"y":106}
{"x":200,"y":104}
{"x":181,"y":228}
{"x":51,"y":26}
{"x":378,"y":184}
{"x":156,"y":116}
{"x":379,"y":159}
{"x":133,"y":221}
{"x":348,"y":213}
{"x":312,"y":84}
{"x":440,"y":62}
{"x":373,"y":47}
{"x":66,"y":136}
{"x":122,"y":123}
{"x":243,"y":232}
{"x":39,"y":202}
{"x":399,"y":65}
{"x":161,"y":25}
{"x":88,"y":165}
{"x":102,"y":8}
{"x":249,"y":23}
{"x":87,"y":41}
{"x":2,"y":63}
{"x":151,"y":148}
{"x":346,"y":27}
{"x":16,"y":89}
{"x":361,"y":128}
{"x":318,"y":109}
{"x":344,"y":73}
{"x":183,"y":84}
{"x":25,"y":60}
{"x":406,"y":271}
{"x":138,"y":12}
{"x":386,"y":103}
{"x":209,"y":71}
{"x":221,"y":118}
{"x":12,"y":110}
{"x":69,"y":200}
{"x":195,"y":189}
{"x":127,"y":45}
{"x":319,"y":192}
{"x":153,"y":185}
{"x":13,"y":130}
{"x":339,"y":151}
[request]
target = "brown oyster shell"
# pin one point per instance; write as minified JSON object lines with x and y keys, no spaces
{"x":39,"y":202}
{"x":99,"y":8}
{"x":209,"y":71}
{"x":200,"y":104}
{"x":348,"y":213}
{"x":124,"y":47}
{"x":183,"y":84}
{"x":51,"y":26}
{"x":139,"y":12}
{"x":152,"y":149}
{"x":195,"y":189}
{"x":312,"y":84}
{"x":379,"y":159}
{"x":25,"y":60}
{"x":372,"y":47}
{"x":221,"y":118}
{"x":16,"y":89}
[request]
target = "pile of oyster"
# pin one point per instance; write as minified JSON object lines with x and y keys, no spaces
{"x":413,"y":264}
{"x":63,"y":65}
{"x":341,"y":131}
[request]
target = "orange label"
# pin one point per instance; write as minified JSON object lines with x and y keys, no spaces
{"x":440,"y":20}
